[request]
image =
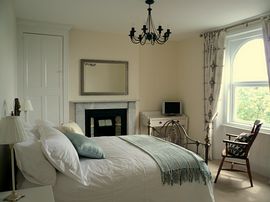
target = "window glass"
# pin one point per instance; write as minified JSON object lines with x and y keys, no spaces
{"x":249,"y":62}
{"x":248,"y":93}
{"x":252,"y":103}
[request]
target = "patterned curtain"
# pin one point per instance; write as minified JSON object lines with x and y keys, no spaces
{"x":266,"y":39}
{"x":213,"y":66}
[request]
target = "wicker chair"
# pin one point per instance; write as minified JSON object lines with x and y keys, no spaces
{"x":238,"y":149}
{"x":174,"y":132}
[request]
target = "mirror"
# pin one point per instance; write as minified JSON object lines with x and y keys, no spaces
{"x":102,"y":77}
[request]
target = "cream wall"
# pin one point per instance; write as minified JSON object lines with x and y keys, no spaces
{"x":102,"y":46}
{"x":158,"y":75}
{"x":190,"y":81}
{"x":8,"y":58}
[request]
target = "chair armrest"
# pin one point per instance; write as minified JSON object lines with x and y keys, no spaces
{"x":230,"y":135}
{"x":233,"y":142}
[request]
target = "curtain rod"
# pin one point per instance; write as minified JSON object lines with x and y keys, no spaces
{"x":238,"y":24}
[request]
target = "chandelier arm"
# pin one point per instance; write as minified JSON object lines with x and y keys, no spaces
{"x":143,"y":35}
{"x":135,"y":39}
{"x":136,"y":42}
{"x":143,"y":41}
{"x":164,"y":38}
{"x":161,"y":41}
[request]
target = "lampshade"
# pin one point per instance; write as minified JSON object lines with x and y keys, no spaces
{"x":12,"y":130}
{"x":28,"y":106}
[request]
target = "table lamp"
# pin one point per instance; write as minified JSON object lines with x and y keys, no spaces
{"x":27,"y":108}
{"x":12,"y":132}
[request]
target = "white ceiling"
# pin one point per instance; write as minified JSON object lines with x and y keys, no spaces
{"x":183,"y":17}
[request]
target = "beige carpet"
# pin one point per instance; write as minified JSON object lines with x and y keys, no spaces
{"x":235,"y":186}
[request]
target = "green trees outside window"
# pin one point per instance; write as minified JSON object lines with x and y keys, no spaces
{"x":252,"y":103}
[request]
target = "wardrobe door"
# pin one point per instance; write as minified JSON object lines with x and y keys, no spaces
{"x":43,"y":76}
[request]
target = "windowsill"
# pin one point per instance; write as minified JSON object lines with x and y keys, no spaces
{"x":263,"y":131}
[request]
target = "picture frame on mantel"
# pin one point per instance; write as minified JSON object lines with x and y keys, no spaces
{"x":104,"y":77}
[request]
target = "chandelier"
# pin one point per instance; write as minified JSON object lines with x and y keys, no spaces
{"x":149,"y":32}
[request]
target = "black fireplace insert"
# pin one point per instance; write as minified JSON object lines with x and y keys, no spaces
{"x":105,"y":122}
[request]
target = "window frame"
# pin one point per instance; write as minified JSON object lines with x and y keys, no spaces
{"x":234,"y":41}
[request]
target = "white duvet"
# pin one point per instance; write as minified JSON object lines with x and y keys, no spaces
{"x":126,"y":175}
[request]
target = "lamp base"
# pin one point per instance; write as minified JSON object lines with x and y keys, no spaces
{"x":14,"y":196}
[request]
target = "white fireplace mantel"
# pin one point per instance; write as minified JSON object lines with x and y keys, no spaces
{"x":130,"y":105}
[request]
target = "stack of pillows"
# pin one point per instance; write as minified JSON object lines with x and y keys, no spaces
{"x":51,"y":148}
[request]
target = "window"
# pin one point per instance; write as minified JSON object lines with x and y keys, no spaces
{"x":247,"y":93}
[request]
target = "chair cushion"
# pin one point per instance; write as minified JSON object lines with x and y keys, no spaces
{"x":239,"y":150}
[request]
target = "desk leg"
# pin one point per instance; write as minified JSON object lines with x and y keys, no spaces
{"x":149,"y":129}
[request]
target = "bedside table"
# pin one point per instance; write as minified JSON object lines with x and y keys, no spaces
{"x":36,"y":194}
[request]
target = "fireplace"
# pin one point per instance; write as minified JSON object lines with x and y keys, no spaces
{"x":105,"y":122}
{"x":128,"y":106}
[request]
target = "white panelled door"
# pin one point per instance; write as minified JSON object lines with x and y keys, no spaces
{"x":43,"y":76}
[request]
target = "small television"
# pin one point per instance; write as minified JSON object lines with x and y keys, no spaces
{"x":171,"y":108}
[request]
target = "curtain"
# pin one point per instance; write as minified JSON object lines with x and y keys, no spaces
{"x":266,"y":39}
{"x":214,"y":45}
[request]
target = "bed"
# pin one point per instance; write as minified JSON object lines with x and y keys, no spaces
{"x":127,"y":173}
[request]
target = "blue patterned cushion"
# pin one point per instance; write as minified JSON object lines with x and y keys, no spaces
{"x":239,"y":150}
{"x":85,"y":146}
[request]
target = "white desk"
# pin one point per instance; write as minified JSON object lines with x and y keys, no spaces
{"x":149,"y":120}
{"x":37,"y":194}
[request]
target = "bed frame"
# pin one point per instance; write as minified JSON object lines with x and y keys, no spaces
{"x":174,"y":132}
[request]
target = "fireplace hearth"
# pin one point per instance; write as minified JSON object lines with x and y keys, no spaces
{"x":105,"y":122}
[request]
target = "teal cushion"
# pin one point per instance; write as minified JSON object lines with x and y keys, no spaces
{"x":85,"y":146}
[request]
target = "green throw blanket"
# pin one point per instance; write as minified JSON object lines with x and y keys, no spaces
{"x":177,"y":164}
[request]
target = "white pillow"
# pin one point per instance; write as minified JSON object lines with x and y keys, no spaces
{"x":44,"y":123}
{"x":72,"y":127}
{"x":31,"y":132}
{"x":60,"y":152}
{"x":38,"y":124}
{"x":33,"y":164}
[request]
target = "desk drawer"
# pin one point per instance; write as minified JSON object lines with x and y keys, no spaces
{"x":159,"y":123}
{"x":150,"y":120}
